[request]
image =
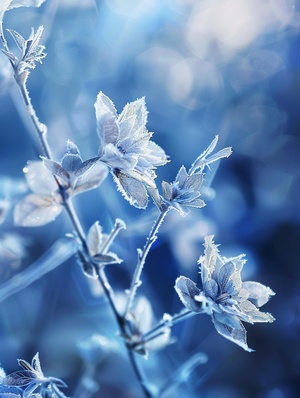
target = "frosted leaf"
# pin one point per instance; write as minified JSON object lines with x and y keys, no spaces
{"x":106,"y":115}
{"x":236,"y":335}
{"x":19,"y":40}
{"x":204,"y":159}
{"x":56,"y":169}
{"x":104,"y":105}
{"x":86,"y":165}
{"x":133,"y":190}
{"x":208,"y":261}
{"x":39,"y":178}
{"x":4,"y":4}
{"x":94,"y":238}
{"x":167,"y":190}
{"x":36,"y":210}
{"x":91,"y":179}
{"x":33,"y":379}
{"x":71,"y":162}
{"x":259,"y":293}
{"x":20,"y":378}
{"x":72,"y":148}
{"x":187,"y":290}
{"x":25,"y":3}
{"x":133,"y":119}
{"x":107,"y":258}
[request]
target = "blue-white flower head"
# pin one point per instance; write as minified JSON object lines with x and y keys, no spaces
{"x":125,"y":146}
{"x":32,"y":379}
{"x":184,"y":192}
{"x":224,"y":296}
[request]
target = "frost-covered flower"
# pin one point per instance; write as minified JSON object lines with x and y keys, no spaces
{"x":184,"y":192}
{"x":224,"y":296}
{"x":74,"y":173}
{"x":125,"y":146}
{"x":31,"y":52}
{"x":32,"y":378}
{"x":46,"y":203}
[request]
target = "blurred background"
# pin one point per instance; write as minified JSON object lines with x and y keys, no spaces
{"x":227,"y":67}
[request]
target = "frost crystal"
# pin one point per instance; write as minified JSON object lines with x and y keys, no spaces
{"x":32,"y":377}
{"x":184,"y":193}
{"x":224,"y":297}
{"x":126,"y":148}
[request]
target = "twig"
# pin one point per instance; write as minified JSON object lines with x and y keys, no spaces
{"x":42,"y":133}
{"x":142,"y":255}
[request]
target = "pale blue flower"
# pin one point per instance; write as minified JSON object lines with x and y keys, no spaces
{"x":125,"y":146}
{"x":31,"y":52}
{"x":184,"y":192}
{"x":47,"y":201}
{"x":32,"y":378}
{"x":224,"y":296}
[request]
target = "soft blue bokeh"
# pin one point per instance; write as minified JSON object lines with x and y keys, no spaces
{"x":227,"y":67}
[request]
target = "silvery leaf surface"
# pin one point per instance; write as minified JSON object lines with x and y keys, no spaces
{"x":155,"y":155}
{"x":132,"y":121}
{"x":20,"y":378}
{"x":25,"y":3}
{"x":259,"y":293}
{"x":94,"y":238}
{"x":86,"y":165}
{"x":236,"y":335}
{"x":187,"y":290}
{"x":107,"y":258}
{"x":6,"y":5}
{"x":91,"y":179}
{"x":36,"y":210}
{"x":56,"y":169}
{"x":133,"y":190}
{"x":19,"y":40}
{"x":106,"y":115}
{"x":39,"y":178}
{"x":209,"y":260}
{"x":71,"y":162}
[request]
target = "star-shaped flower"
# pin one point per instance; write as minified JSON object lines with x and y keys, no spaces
{"x":224,"y":296}
{"x":32,"y":378}
{"x":125,"y":146}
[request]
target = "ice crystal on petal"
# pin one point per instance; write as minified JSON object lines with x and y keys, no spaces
{"x":75,"y":174}
{"x":126,"y":148}
{"x":224,"y":296}
{"x":184,"y":192}
{"x":42,"y":206}
{"x":10,"y":4}
{"x":31,"y":52}
{"x":32,"y":379}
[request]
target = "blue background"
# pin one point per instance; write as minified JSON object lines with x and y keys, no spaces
{"x":205,"y":67}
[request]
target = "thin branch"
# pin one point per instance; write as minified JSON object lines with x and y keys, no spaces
{"x":168,"y":322}
{"x":142,"y":255}
{"x":42,"y":132}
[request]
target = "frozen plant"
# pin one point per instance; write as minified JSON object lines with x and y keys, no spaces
{"x":126,"y":150}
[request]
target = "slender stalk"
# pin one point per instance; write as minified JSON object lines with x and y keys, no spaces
{"x":42,"y":131}
{"x":159,"y":328}
{"x":142,"y":255}
{"x":40,"y":127}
